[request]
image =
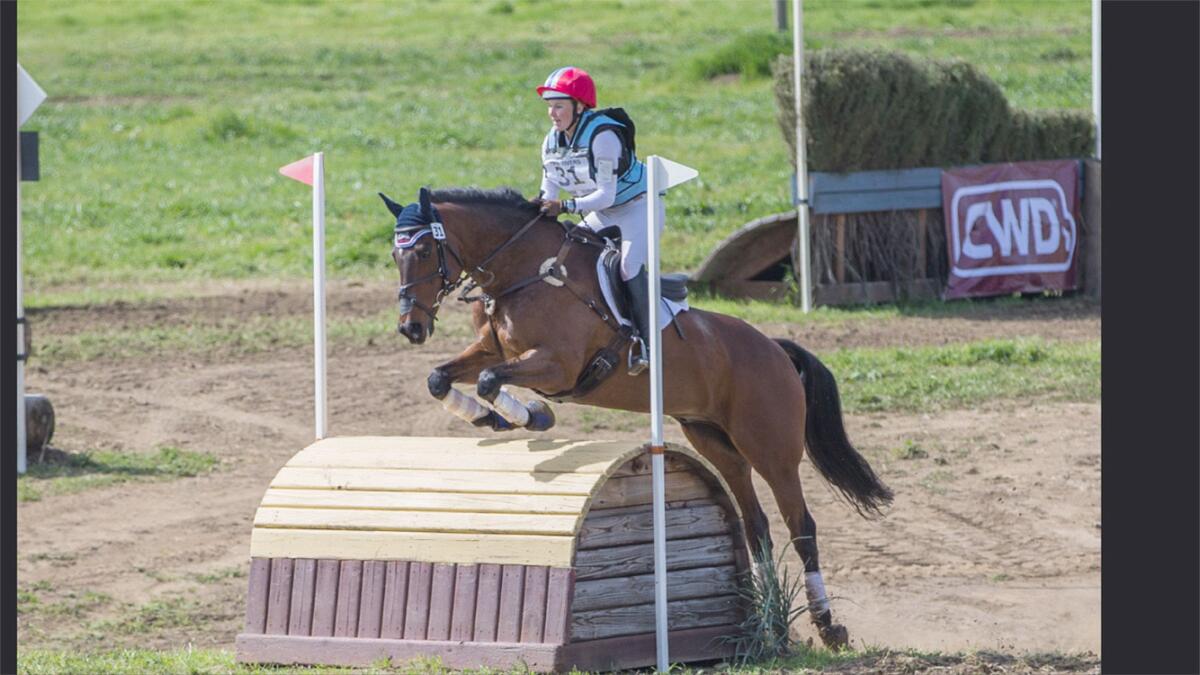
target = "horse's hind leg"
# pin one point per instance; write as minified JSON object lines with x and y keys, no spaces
{"x":774,"y":450}
{"x":715,"y":446}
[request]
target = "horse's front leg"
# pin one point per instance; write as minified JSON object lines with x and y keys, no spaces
{"x":534,"y":369}
{"x":466,"y":366}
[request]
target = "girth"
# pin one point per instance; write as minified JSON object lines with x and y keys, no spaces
{"x":598,"y":369}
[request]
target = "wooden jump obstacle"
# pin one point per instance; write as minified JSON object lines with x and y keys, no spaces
{"x":488,"y":553}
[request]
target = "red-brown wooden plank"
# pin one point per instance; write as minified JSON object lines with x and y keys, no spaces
{"x":416,"y":618}
{"x":325,"y":604}
{"x":533,"y":608}
{"x":280,"y":597}
{"x":512,"y":592}
{"x":462,"y":616}
{"x":349,"y":595}
{"x":441,"y":602}
{"x":370,"y":607}
{"x":559,"y":591}
{"x":395,"y":600}
{"x":259,"y":588}
{"x":304,"y":583}
{"x":487,"y":602}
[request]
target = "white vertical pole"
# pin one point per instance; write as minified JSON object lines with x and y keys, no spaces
{"x":1096,"y":70}
{"x":21,"y":466}
{"x":654,"y":180}
{"x":805,"y":271}
{"x":319,"y":291}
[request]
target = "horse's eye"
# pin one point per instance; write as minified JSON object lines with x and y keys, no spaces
{"x":423,"y":252}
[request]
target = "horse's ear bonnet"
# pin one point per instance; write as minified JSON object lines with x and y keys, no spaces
{"x":413,"y":221}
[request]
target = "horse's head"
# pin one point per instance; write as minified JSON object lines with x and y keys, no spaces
{"x":424,"y":261}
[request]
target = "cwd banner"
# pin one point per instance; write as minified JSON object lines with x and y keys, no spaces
{"x":1011,"y":228}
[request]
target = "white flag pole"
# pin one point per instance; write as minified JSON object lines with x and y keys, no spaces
{"x":1096,"y":70}
{"x":805,"y":272}
{"x":319,"y":292}
{"x":653,"y":221}
{"x":29,"y":97}
{"x":661,"y":174}
{"x":21,"y":439}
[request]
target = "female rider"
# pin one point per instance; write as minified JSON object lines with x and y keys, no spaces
{"x":589,"y":154}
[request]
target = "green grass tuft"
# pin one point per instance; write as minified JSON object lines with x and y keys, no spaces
{"x":769,"y":595}
{"x":749,"y":55}
{"x":73,"y":473}
{"x":910,"y":450}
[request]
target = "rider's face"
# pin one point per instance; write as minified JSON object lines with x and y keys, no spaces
{"x":562,"y":112}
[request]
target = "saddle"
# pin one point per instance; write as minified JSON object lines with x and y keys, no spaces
{"x":673,"y":286}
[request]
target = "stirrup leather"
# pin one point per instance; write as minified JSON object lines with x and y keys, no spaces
{"x":638,"y":358}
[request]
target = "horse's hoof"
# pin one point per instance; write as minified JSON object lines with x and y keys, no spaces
{"x":541,"y":417}
{"x":835,"y":636}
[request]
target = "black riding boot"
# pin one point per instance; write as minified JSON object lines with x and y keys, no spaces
{"x":637,"y":290}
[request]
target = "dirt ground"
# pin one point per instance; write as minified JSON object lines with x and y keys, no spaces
{"x":992,"y":547}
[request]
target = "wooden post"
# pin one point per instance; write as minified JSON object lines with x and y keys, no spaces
{"x":921,"y":234}
{"x":839,"y":249}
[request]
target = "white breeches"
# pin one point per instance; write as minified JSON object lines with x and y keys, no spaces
{"x":631,"y":218}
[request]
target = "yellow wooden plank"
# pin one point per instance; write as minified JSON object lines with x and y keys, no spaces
{"x":416,"y":521}
{"x":436,"y":481}
{"x":415,"y":546}
{"x":426,"y":501}
{"x":584,"y":460}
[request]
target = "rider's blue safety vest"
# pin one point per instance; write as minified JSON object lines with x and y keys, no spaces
{"x":572,"y":166}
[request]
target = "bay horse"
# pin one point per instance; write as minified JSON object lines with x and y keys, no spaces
{"x":745,"y":401}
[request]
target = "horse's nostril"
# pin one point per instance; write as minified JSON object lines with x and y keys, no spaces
{"x":412,"y":330}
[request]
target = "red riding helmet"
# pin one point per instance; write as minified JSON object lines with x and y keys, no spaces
{"x":570,"y":82}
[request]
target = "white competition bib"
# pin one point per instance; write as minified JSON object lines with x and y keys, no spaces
{"x":570,"y":171}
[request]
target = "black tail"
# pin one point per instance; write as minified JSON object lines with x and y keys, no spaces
{"x":830,"y":450}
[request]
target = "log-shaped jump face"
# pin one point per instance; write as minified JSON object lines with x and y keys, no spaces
{"x":421,"y":281}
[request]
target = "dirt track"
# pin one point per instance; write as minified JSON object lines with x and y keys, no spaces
{"x":993,"y":542}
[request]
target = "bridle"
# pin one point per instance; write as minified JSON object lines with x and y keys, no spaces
{"x":449,"y":284}
{"x":442,"y":273}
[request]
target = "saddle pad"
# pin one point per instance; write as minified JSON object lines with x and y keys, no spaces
{"x":668,"y":308}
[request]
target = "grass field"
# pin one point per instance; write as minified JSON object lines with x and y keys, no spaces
{"x":166,"y":121}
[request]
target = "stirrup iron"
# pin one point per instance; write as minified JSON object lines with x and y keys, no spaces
{"x":638,"y":363}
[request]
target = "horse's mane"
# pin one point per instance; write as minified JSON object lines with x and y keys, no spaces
{"x":504,"y":197}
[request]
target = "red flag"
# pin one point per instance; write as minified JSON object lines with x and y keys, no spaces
{"x":301,"y":170}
